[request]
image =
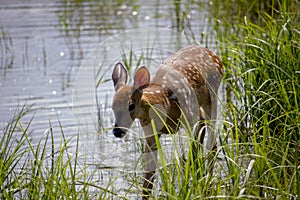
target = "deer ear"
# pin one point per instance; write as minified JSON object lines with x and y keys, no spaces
{"x":141,"y":78}
{"x":119,"y":76}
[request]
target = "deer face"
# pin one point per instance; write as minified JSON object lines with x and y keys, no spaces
{"x":127,"y":100}
{"x":125,"y":108}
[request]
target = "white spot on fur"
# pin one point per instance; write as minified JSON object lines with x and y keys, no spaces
{"x":187,"y":102}
{"x":149,"y":92}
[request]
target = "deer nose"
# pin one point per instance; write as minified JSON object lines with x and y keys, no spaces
{"x":118,"y":132}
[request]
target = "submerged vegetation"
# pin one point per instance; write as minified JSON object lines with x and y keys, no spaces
{"x":259,"y":143}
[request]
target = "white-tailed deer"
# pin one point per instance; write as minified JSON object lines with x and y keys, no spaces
{"x":186,"y":82}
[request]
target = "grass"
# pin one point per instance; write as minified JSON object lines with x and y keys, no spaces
{"x":39,"y":170}
{"x":262,"y":62}
{"x":259,"y":148}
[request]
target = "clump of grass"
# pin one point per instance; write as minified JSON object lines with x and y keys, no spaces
{"x":11,"y":155}
{"x":44,"y":169}
{"x":261,"y":55}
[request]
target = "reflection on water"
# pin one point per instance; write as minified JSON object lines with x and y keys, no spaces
{"x":42,"y":46}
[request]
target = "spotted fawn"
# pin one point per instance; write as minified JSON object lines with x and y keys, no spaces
{"x":186,"y":83}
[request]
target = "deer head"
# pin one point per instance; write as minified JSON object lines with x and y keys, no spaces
{"x":128,"y":99}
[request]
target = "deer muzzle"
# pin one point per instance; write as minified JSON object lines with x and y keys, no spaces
{"x":118,"y":132}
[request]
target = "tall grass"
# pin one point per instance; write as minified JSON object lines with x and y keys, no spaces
{"x":262,"y":56}
{"x":43,"y":169}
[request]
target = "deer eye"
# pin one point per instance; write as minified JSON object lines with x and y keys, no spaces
{"x":131,"y":107}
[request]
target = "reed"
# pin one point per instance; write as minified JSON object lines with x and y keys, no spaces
{"x":42,"y":169}
{"x":261,"y":54}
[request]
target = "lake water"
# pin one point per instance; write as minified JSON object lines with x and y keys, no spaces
{"x":52,"y":54}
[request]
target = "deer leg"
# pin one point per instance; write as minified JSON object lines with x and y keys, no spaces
{"x":203,"y":128}
{"x":210,"y":113}
{"x":200,"y":129}
{"x":148,"y":184}
{"x":199,"y":134}
{"x":150,"y":156}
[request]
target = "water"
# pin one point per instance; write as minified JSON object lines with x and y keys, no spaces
{"x":53,"y":53}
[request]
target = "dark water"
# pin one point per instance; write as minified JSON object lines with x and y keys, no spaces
{"x":52,"y":54}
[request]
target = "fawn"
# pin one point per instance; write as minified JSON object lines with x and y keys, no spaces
{"x":186,"y":82}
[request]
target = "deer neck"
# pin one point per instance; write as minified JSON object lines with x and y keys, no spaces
{"x":153,"y":96}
